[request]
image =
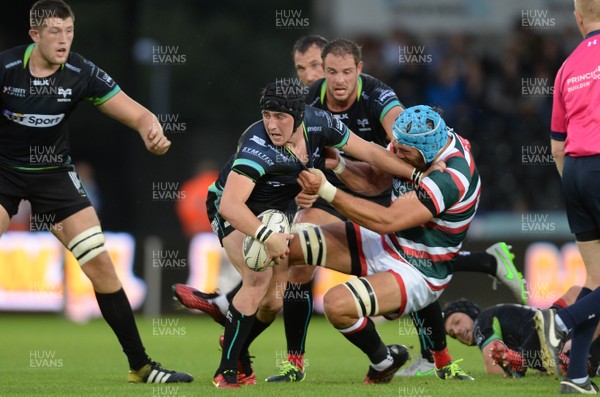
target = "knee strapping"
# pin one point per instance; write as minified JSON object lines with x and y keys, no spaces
{"x":314,"y":246}
{"x":364,"y":296}
{"x":87,"y":245}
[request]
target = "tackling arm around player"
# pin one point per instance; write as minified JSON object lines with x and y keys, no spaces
{"x":404,"y":262}
{"x":262,"y":175}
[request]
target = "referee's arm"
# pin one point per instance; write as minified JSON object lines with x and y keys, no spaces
{"x":558,"y":152}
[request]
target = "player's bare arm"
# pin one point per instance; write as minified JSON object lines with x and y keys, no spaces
{"x":388,"y":120}
{"x":305,"y":200}
{"x":360,"y":177}
{"x":378,"y":156}
{"x":490,"y":365}
{"x":129,"y":112}
{"x":404,"y":213}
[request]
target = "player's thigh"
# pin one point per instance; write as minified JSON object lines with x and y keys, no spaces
{"x":75,"y":224}
{"x":233,"y":243}
{"x":81,"y":231}
{"x":12,"y":190}
{"x":4,"y":220}
{"x":316,"y":216}
{"x":348,"y":299}
{"x":325,"y":245}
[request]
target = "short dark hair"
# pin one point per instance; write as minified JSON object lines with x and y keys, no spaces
{"x":305,"y":42}
{"x":342,"y":47}
{"x":43,"y":9}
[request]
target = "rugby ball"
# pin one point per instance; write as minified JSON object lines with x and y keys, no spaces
{"x":254,"y":251}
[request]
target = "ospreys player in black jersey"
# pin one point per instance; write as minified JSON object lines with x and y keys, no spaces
{"x":43,"y":83}
{"x":506,"y":335}
{"x":270,"y":155}
{"x":368,"y":107}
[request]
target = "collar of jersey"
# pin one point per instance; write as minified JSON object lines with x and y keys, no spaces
{"x":592,"y":33}
{"x":358,"y":90}
{"x":27,"y":55}
{"x":308,"y":151}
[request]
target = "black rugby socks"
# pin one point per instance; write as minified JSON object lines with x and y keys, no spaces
{"x":117,"y":312}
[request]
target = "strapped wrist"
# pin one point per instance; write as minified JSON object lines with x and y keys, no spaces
{"x":416,"y":176}
{"x":327,"y":191}
{"x":263,"y":233}
{"x":340,"y":167}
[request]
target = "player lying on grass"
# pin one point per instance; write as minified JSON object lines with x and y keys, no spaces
{"x":506,"y":335}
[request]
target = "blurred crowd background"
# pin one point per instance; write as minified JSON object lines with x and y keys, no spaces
{"x":493,"y":80}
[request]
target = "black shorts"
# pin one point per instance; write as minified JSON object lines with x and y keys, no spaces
{"x":581,"y":185}
{"x":220,"y":226}
{"x":325,"y":206}
{"x":54,"y":194}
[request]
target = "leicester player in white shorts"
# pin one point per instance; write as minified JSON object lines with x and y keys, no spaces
{"x":403,"y":255}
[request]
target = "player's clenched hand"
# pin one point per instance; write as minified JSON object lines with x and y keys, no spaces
{"x":314,"y":181}
{"x":332,"y":157}
{"x":311,"y":180}
{"x":277,"y":247}
{"x":155,"y":140}
{"x":305,"y":200}
{"x":438,"y":166}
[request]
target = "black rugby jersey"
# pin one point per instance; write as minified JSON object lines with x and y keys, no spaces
{"x":33,"y":124}
{"x":511,"y":323}
{"x":275,"y":169}
{"x":374,"y":100}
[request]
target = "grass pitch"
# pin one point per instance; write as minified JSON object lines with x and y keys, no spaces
{"x":45,"y":355}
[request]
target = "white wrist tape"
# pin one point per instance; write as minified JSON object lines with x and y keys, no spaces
{"x":327,"y":191}
{"x":263,"y":233}
{"x":340,"y":167}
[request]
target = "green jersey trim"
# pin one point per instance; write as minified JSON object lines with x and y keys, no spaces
{"x":27,"y":55}
{"x":100,"y":101}
{"x":53,"y":167}
{"x":249,"y":163}
{"x":388,"y":107}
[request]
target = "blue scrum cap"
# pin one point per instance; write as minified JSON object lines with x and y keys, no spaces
{"x":423,"y":128}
